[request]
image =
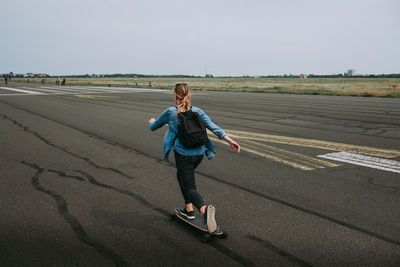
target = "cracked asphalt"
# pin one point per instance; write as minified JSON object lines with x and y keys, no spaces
{"x":84,"y":183}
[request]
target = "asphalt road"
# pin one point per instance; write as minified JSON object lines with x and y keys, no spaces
{"x":83,"y":181}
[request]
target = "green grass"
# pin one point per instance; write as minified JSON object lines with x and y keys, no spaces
{"x":367,"y":87}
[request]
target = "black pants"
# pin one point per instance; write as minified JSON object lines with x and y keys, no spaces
{"x":185,"y":166}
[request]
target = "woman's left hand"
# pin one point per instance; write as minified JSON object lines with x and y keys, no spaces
{"x":152,"y":120}
{"x":235,"y":146}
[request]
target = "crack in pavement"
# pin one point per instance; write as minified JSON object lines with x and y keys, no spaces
{"x":82,"y":235}
{"x":62,"y":207}
{"x":93,"y":181}
{"x":140,"y":199}
{"x":278,"y":251}
{"x":221,"y":248}
{"x":47,"y":142}
{"x":234,"y":185}
{"x":231,"y":254}
{"x":392,"y":189}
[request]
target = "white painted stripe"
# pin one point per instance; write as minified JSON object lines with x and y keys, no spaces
{"x":45,"y":94}
{"x":69,"y":90}
{"x":106,"y":89}
{"x":20,"y":90}
{"x":66,"y":89}
{"x":75,"y":89}
{"x":127,"y":89}
{"x":40,"y":89}
{"x":94,"y":88}
{"x":80,"y":89}
{"x":366,"y":161}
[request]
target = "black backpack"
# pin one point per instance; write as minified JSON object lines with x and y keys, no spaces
{"x":192,"y":130}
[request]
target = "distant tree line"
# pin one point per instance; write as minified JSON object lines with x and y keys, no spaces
{"x":394,"y":75}
{"x":134,"y":75}
{"x":333,"y":76}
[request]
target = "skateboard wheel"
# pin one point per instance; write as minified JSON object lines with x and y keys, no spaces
{"x":206,"y":238}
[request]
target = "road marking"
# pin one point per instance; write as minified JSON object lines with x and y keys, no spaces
{"x":367,"y":161}
{"x":22,"y":91}
{"x":286,"y":157}
{"x":258,"y":144}
{"x":77,"y":89}
{"x":94,"y":96}
{"x":42,"y":90}
{"x":312,"y":162}
{"x":134,"y":89}
{"x":84,"y":96}
{"x":72,"y":90}
{"x":109,"y":89}
{"x":364,"y":150}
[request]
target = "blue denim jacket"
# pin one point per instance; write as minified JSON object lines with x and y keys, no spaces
{"x":169,"y":117}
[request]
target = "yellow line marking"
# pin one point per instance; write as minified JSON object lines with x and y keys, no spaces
{"x":255,"y":144}
{"x":94,"y":96}
{"x":332,"y":146}
{"x":269,"y":156}
{"x":314,"y":162}
{"x":287,"y":160}
{"x":84,"y":96}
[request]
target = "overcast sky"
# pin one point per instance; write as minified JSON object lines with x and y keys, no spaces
{"x":229,"y":37}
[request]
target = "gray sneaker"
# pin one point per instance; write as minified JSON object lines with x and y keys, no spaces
{"x":209,"y":217}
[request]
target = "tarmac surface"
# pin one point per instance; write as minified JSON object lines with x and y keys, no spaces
{"x":83,"y":181}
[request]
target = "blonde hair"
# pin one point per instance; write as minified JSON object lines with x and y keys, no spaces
{"x":182,"y":94}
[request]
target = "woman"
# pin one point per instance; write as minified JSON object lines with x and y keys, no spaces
{"x":187,"y":159}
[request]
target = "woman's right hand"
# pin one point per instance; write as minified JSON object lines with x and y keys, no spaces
{"x":152,"y":120}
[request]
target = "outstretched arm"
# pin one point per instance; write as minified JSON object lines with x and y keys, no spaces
{"x":155,"y":124}
{"x":218,"y":131}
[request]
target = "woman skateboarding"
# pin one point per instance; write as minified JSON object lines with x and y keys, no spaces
{"x":187,"y":159}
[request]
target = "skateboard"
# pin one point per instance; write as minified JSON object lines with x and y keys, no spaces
{"x":199,"y":225}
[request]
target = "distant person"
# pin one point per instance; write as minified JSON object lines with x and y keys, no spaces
{"x":6,"y":80}
{"x":63,"y":82}
{"x":28,"y":81}
{"x":43,"y":81}
{"x":58,"y":81}
{"x":187,"y":159}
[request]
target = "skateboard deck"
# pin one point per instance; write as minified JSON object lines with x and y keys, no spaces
{"x":199,"y":224}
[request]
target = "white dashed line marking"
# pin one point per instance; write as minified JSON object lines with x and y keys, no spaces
{"x":366,"y":161}
{"x":22,"y":91}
